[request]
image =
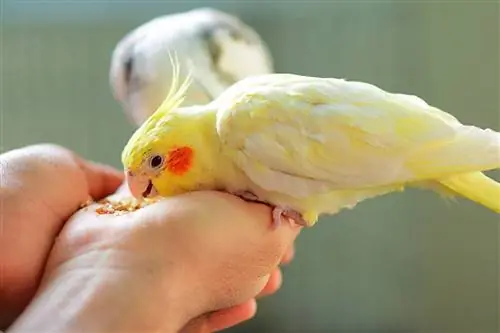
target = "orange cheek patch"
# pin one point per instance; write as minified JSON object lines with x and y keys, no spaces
{"x":179,"y":160}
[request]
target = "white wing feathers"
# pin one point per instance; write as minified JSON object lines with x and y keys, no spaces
{"x":304,"y":136}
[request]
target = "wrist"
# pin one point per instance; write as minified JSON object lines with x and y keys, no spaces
{"x":107,"y":299}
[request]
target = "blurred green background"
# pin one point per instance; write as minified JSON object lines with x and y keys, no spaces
{"x":401,"y":263}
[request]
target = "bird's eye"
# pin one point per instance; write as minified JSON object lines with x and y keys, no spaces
{"x":156,"y":161}
{"x":127,"y":68}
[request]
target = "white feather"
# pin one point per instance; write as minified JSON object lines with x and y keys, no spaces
{"x":369,"y":138}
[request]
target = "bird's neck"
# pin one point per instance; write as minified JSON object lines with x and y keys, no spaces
{"x":201,"y":122}
{"x":203,"y":136}
{"x":212,"y":169}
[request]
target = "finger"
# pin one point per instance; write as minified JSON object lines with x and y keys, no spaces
{"x":288,"y":256}
{"x":232,"y":316}
{"x":273,"y":284}
{"x":102,"y":179}
{"x":222,"y":319}
{"x":197,"y":325}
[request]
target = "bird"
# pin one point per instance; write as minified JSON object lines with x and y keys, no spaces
{"x":308,"y":146}
{"x":217,"y":48}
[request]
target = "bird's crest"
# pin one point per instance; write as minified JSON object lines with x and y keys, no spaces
{"x":134,"y":150}
{"x":176,"y":93}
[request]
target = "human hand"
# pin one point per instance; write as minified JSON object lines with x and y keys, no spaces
{"x":40,"y":187}
{"x":161,"y":266}
{"x":227,"y":317}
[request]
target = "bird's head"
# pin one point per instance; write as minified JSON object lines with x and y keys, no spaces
{"x":167,"y":154}
{"x":138,"y":74}
{"x":156,"y":164}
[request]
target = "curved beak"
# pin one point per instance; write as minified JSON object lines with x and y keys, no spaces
{"x":140,"y":185}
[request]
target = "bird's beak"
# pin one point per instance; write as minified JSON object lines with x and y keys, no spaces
{"x":140,"y":186}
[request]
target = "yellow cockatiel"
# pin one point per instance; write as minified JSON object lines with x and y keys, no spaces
{"x":309,"y":146}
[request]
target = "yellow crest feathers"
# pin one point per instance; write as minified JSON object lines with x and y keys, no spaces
{"x":176,"y":94}
{"x":134,"y":150}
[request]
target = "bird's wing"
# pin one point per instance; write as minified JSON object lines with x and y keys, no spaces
{"x":299,"y":135}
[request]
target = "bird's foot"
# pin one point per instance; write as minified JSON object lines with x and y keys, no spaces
{"x":278,"y":212}
{"x":290,"y":214}
{"x":250,"y":197}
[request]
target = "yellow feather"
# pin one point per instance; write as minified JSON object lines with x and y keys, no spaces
{"x":477,"y":187}
{"x":176,"y":94}
{"x":132,"y":155}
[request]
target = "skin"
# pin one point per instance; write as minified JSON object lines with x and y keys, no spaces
{"x":151,"y":255}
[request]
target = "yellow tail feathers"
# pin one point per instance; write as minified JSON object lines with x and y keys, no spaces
{"x":477,"y":187}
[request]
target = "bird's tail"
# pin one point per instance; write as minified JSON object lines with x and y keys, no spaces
{"x":477,"y":187}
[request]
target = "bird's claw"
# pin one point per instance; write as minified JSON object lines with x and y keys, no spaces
{"x":249,"y":196}
{"x":278,"y":212}
{"x":290,"y":214}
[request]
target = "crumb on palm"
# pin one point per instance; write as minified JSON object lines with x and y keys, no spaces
{"x":87,"y":203}
{"x":117,"y":207}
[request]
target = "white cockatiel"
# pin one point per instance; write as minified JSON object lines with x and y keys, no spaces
{"x":218,"y":48}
